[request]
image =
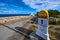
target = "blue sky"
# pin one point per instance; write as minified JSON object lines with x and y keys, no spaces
{"x":27,"y":6}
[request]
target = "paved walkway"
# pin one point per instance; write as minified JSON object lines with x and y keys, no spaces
{"x":8,"y":34}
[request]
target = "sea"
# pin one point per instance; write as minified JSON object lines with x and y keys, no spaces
{"x":8,"y":15}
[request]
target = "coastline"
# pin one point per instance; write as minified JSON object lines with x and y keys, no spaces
{"x":12,"y":18}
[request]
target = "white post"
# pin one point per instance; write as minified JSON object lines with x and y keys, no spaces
{"x":42,"y":30}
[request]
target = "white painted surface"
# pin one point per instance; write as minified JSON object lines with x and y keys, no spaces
{"x":42,"y":30}
{"x":45,"y":22}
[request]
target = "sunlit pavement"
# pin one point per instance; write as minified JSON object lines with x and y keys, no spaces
{"x":8,"y":34}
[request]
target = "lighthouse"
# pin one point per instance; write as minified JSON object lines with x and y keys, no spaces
{"x":43,"y":18}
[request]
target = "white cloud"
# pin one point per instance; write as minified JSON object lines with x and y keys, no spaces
{"x":42,"y":4}
{"x":6,"y":9}
{"x":10,"y":11}
{"x":3,"y":8}
{"x":2,"y":4}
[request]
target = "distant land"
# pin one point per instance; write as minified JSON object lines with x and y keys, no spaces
{"x":8,"y":15}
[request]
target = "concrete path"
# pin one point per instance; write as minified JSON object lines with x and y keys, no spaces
{"x":8,"y":34}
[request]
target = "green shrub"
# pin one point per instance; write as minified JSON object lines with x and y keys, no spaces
{"x":58,"y":22}
{"x":57,"y":29}
{"x":53,"y":23}
{"x":58,"y":34}
{"x":57,"y":16}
